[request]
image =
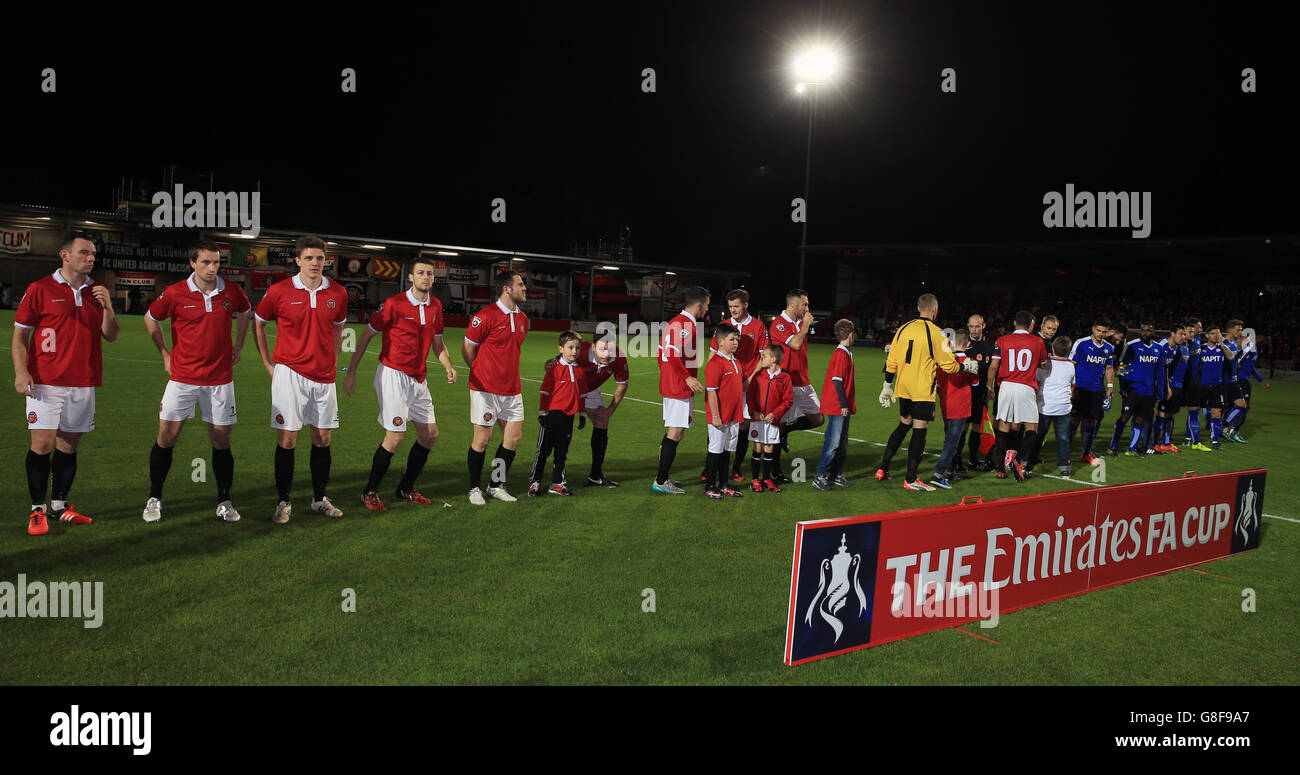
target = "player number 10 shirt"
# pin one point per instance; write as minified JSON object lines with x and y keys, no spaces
{"x":304,"y":325}
{"x":499,"y":333}
{"x":1020,"y":354}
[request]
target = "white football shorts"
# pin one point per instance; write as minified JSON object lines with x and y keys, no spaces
{"x":297,"y":401}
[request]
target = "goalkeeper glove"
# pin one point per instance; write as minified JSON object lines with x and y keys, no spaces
{"x":1105,"y":405}
{"x":887,"y":395}
{"x":971,"y":366}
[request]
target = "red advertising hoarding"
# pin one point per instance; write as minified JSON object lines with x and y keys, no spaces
{"x":863,"y":581}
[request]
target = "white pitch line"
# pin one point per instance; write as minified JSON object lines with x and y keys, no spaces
{"x":1284,"y":519}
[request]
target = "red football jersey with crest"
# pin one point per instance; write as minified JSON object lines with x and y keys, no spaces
{"x":722,"y":377}
{"x":409,"y":328}
{"x":305,"y":322}
{"x":770,"y":393}
{"x":795,"y":362}
{"x":499,"y":334}
{"x":678,"y":347}
{"x":65,"y":348}
{"x":562,"y":388}
{"x":753,"y":338}
{"x":202,"y":353}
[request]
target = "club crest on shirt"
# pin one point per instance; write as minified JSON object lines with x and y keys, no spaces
{"x":475,"y":323}
{"x":225,"y":303}
{"x":780,"y":326}
{"x":330,"y":303}
{"x":31,"y":416}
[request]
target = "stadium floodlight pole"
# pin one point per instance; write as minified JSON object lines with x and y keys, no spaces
{"x":812,"y":69}
{"x":807,"y":184}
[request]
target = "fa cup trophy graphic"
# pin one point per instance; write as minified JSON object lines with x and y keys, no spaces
{"x":830,"y":600}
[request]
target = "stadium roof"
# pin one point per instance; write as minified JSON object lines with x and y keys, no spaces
{"x":1252,"y":249}
{"x":37,"y":216}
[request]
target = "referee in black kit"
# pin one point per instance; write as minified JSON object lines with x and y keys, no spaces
{"x":980,"y":351}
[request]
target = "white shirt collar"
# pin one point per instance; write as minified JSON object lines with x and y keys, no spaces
{"x":1020,"y":331}
{"x":689,"y":315}
{"x":744,"y":322}
{"x":58,"y":275}
{"x":297,"y":283}
{"x":410,"y":296}
{"x":772,"y":371}
{"x":506,"y":309}
{"x":194,"y":287}
{"x":787,"y":317}
{"x":847,"y":350}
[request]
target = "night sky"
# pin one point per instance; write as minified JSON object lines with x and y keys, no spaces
{"x":542,"y":105}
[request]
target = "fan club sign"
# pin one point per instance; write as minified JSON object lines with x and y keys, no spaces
{"x":125,"y":280}
{"x":863,"y":581}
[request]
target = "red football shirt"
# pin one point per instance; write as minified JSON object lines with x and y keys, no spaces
{"x":753,"y":338}
{"x":499,"y":333}
{"x":562,"y":387}
{"x":409,"y":328}
{"x":679,"y":356}
{"x":595,"y":373}
{"x":795,"y":362}
{"x":770,"y":393}
{"x":955,"y":390}
{"x":841,"y":368}
{"x":201,"y":348}
{"x":1021,"y":354}
{"x":722,"y":377}
{"x":304,"y":325}
{"x":65,"y":349}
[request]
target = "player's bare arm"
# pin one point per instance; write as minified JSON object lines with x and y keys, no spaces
{"x":796,"y":341}
{"x":714,"y":409}
{"x":22,"y":379}
{"x":444,"y":357}
{"x":468,"y":350}
{"x":241,"y":332}
{"x":1110,"y":380}
{"x":338,"y":340}
{"x":109,"y":325}
{"x":159,"y":341}
{"x":259,"y":336}
{"x":619,"y":392}
{"x":350,"y":381}
{"x":694,"y":385}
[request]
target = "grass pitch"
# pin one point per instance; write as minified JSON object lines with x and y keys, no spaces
{"x":551,"y":590}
